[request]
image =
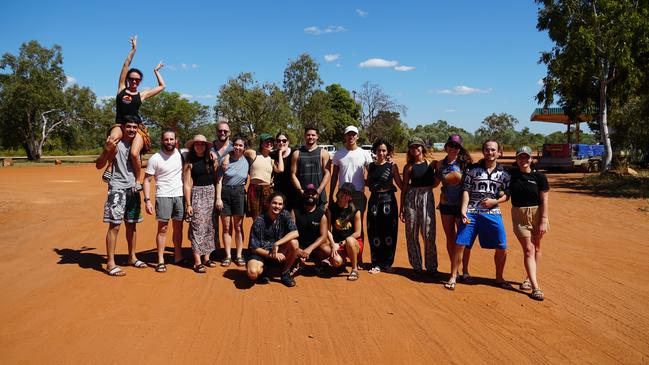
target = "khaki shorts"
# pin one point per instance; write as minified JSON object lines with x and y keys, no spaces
{"x":526,"y":220}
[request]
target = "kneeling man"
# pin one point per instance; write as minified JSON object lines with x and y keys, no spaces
{"x":312,"y":226}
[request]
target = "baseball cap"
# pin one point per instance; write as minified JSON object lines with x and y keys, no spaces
{"x":351,"y":128}
{"x":523,"y":150}
{"x":310,"y":187}
{"x":265,"y":137}
{"x":455,"y":138}
{"x":415,"y":141}
{"x":348,"y":187}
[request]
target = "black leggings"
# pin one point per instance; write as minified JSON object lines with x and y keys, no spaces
{"x":382,"y":228}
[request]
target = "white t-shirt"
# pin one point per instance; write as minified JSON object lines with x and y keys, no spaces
{"x":351,"y":165}
{"x":168,"y":173}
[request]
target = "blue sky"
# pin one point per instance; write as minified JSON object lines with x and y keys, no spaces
{"x":454,"y":60}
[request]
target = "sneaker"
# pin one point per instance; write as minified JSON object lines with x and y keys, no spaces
{"x":296,"y":267}
{"x":287,"y":279}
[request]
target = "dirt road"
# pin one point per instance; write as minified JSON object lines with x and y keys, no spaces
{"x":57,"y":305}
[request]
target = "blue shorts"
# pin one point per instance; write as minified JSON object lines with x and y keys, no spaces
{"x":488,"y":227}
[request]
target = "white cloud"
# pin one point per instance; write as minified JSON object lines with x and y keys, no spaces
{"x":194,"y":66}
{"x":540,"y":82}
{"x":450,"y":110}
{"x":331,"y":57}
{"x":464,"y":90}
{"x":69,"y":81}
{"x":183,"y":66}
{"x":170,"y":67}
{"x":404,"y":68}
{"x":329,"y":29}
{"x":339,"y":65}
{"x":206,"y":96}
{"x":377,"y":62}
{"x":362,"y":13}
{"x":186,"y":96}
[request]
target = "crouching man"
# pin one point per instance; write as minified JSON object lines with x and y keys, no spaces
{"x":273,"y":239}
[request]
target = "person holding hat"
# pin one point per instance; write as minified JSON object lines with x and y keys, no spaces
{"x":418,"y":206}
{"x":261,"y":171}
{"x":199,"y":179}
{"x":312,"y":226}
{"x":167,"y":168}
{"x":529,"y":192}
{"x":449,"y":171}
{"x":344,"y":233}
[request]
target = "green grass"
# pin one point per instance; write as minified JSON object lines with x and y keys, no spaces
{"x":616,"y":185}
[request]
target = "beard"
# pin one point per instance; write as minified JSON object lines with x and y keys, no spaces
{"x":223,"y":137}
{"x":310,"y":201}
{"x":168,"y":147}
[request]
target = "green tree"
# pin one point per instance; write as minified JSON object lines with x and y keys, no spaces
{"x":344,"y":112}
{"x":252,"y":108}
{"x":80,"y":104}
{"x":170,"y":110}
{"x":301,"y":81}
{"x":388,"y":125}
{"x":599,"y":46}
{"x":499,"y":127}
{"x":31,"y":97}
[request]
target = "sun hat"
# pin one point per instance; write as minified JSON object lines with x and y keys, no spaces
{"x":351,"y":128}
{"x":198,"y":138}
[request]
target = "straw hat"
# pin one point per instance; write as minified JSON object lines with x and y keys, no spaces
{"x":198,"y":138}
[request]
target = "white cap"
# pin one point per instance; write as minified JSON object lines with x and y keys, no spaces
{"x":351,"y":128}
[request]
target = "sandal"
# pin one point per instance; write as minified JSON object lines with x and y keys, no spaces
{"x":210,"y":263}
{"x":537,"y":294}
{"x":466,"y":278}
{"x":138,"y":264}
{"x":115,"y":271}
{"x":526,"y":285}
{"x":240,"y":261}
{"x":450,"y":285}
{"x":200,"y":269}
{"x":504,"y":285}
{"x":226,"y":262}
{"x":353,"y":276}
{"x":375,"y":270}
{"x":161,"y":267}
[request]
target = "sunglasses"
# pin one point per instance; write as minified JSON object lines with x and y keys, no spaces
{"x":282,"y":140}
{"x":223,"y":131}
{"x":199,"y":144}
{"x":134,"y":79}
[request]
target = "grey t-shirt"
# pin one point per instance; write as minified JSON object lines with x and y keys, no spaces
{"x":123,"y":177}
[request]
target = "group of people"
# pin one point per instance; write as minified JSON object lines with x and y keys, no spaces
{"x":283,"y":190}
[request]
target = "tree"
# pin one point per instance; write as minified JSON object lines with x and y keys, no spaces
{"x":31,"y":97}
{"x":301,"y":81}
{"x":599,"y":45}
{"x":84,"y":128}
{"x":499,"y":127}
{"x":438,"y":132}
{"x":374,"y":100}
{"x":252,"y":108}
{"x":388,"y":125}
{"x":170,"y":110}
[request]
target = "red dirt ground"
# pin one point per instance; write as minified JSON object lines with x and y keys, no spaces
{"x":58,"y":306}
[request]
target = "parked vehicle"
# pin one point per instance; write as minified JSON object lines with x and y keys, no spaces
{"x":330,"y":148}
{"x":368,"y":147}
{"x":571,"y":157}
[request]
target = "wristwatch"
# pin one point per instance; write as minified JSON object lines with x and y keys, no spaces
{"x":146,"y":200}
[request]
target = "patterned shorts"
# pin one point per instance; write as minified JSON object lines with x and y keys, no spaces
{"x":122,"y":205}
{"x":257,"y":201}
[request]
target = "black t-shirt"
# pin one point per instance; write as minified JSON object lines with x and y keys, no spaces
{"x":308,"y":225}
{"x":525,"y":187}
{"x":127,"y":104}
{"x":342,"y":221}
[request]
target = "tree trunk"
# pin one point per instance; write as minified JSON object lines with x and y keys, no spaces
{"x":603,"y":124}
{"x":32,"y":149}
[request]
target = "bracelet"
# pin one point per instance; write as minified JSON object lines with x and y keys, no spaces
{"x":147,"y":199}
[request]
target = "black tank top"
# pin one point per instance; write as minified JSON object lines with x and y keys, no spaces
{"x":421,"y":175}
{"x":201,"y":174}
{"x":379,"y":177}
{"x":127,"y":104}
{"x":342,"y":221}
{"x":308,"y":225}
{"x":309,"y":169}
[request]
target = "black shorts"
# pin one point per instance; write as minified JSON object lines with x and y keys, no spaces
{"x":453,"y":210}
{"x":234,"y":200}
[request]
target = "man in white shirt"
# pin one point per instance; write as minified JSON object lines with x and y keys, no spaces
{"x":350,"y":164}
{"x":166,"y":166}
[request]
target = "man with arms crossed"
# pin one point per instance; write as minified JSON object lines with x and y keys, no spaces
{"x":167,"y":168}
{"x":123,"y":202}
{"x":310,"y":165}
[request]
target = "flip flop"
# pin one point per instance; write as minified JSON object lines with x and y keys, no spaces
{"x":115,"y":271}
{"x":450,"y":285}
{"x":353,"y":276}
{"x":210,"y":263}
{"x":504,"y":285}
{"x":138,"y":264}
{"x":161,"y":267}
{"x":466,"y":278}
{"x":240,"y":261}
{"x":200,"y":269}
{"x":375,"y":270}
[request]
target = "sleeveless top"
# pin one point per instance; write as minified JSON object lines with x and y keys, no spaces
{"x":261,"y":170}
{"x":421,"y":175}
{"x":451,"y":194}
{"x":202,"y":174}
{"x":309,"y":169}
{"x":122,"y":177}
{"x":308,"y":225}
{"x":379,"y":177}
{"x":342,"y":221}
{"x":237,"y":172}
{"x":127,"y":104}
{"x":282,"y":180}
